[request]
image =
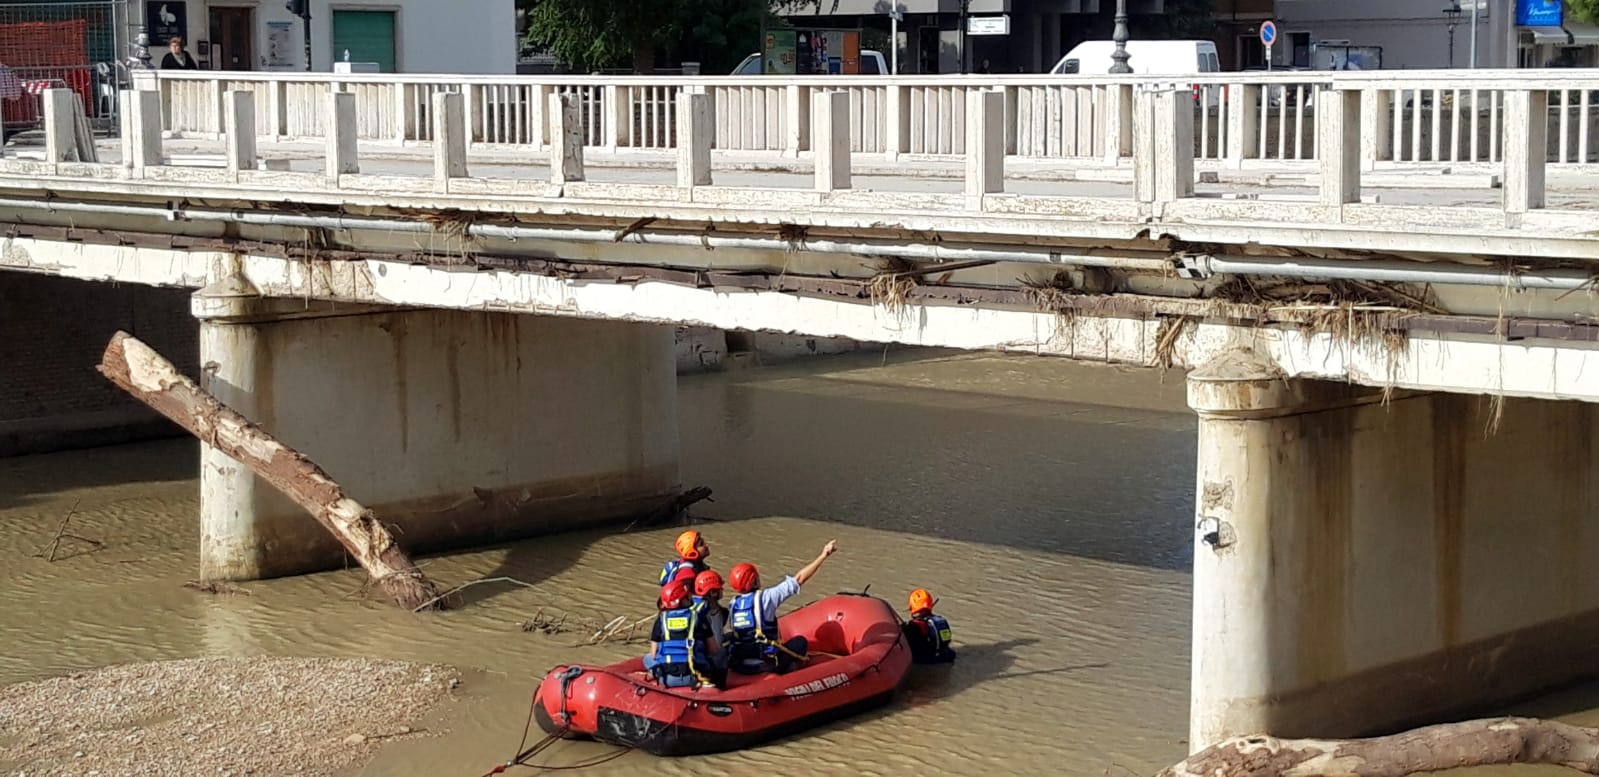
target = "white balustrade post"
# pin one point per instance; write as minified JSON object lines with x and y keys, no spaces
{"x":694,"y":133}
{"x":449,"y":139}
{"x":1011,"y":119}
{"x":1338,"y":145}
{"x":217,"y":109}
{"x":830,"y":136}
{"x":897,"y":116}
{"x":60,"y":125}
{"x":797,"y":104}
{"x":619,"y":101}
{"x":339,"y":132}
{"x":1243,"y":123}
{"x":541,"y":114}
{"x":1119,"y":123}
{"x":404,"y":116}
{"x":566,"y":138}
{"x":239,"y":126}
{"x":141,"y":130}
{"x":1163,"y":146}
{"x":1526,"y":149}
{"x":277,"y":109}
{"x":1376,"y":127}
{"x":1174,"y":145}
{"x":985,"y":144}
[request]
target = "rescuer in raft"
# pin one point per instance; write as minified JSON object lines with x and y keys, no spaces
{"x":927,"y":632}
{"x":682,"y":643}
{"x":708,"y":597}
{"x":691,"y":554}
{"x":755,"y":646}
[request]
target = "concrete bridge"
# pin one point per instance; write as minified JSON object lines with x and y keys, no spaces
{"x":1382,"y":285}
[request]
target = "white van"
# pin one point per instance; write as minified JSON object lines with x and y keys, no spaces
{"x":1147,"y":57}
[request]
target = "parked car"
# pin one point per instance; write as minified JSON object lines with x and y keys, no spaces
{"x":872,"y":64}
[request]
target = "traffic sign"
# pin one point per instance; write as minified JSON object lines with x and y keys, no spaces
{"x":1268,"y":33}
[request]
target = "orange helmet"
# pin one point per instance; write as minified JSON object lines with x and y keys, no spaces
{"x":707,"y":582}
{"x":688,"y":546}
{"x":921,"y":600}
{"x":674,"y":595}
{"x":745,"y":578}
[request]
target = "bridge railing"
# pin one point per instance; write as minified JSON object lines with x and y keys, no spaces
{"x":1430,"y":117}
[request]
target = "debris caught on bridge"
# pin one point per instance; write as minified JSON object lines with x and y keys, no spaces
{"x":50,"y":551}
{"x":146,"y":375}
{"x":1487,"y":742}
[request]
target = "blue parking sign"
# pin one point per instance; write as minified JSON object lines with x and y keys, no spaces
{"x":1268,"y":32}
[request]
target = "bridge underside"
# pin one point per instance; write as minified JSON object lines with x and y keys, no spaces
{"x":1368,"y":552}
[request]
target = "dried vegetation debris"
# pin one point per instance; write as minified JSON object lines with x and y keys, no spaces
{"x":259,"y":716}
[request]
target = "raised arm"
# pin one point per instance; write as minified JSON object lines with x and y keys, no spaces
{"x":809,"y":570}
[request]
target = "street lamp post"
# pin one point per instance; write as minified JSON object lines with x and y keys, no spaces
{"x":1452,"y":14}
{"x":1120,"y":56}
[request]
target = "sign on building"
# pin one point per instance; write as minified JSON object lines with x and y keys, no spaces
{"x":165,"y":21}
{"x":988,"y":25}
{"x":1539,"y":13}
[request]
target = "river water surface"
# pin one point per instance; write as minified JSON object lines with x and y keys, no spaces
{"x":1056,"y":534}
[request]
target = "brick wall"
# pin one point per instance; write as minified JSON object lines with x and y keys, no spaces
{"x":52,"y":331}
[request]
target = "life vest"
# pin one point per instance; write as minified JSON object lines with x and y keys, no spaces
{"x":718,"y":619}
{"x":671,"y":570}
{"x":678,"y":646}
{"x":755,"y":633}
{"x":937,"y":631}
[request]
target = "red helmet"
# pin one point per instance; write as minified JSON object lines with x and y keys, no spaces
{"x":707,"y":582}
{"x":745,"y":578}
{"x":674,"y":595}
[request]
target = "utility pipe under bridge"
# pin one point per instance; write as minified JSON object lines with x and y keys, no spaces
{"x":1373,"y":545}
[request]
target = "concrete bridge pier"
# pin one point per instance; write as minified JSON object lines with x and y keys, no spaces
{"x":1362,"y":566}
{"x":459,"y":427}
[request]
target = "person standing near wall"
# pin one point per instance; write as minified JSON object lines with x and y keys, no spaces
{"x":177,"y":58}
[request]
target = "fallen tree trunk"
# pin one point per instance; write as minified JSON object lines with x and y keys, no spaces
{"x":137,"y":369}
{"x":1488,"y":742}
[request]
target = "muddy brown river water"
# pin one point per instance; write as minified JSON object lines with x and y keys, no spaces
{"x":1054,"y":532}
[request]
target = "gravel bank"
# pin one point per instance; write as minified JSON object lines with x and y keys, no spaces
{"x":255,"y":716}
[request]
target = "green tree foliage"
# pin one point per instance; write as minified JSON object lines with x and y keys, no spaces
{"x":598,"y":34}
{"x":1183,"y":20}
{"x":1585,"y":10}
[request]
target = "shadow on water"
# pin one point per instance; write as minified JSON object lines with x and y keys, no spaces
{"x":24,"y":479}
{"x":529,"y":561}
{"x":1113,"y":484}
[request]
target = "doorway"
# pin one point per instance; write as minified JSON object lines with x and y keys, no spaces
{"x":367,"y":36}
{"x":232,"y":38}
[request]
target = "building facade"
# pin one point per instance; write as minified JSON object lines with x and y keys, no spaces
{"x":400,"y":36}
{"x":1425,"y":34}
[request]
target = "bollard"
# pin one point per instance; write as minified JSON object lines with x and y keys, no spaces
{"x":449,"y":139}
{"x":60,"y":125}
{"x":342,"y":155}
{"x":141,"y":129}
{"x":985,"y":144}
{"x":694,"y":134}
{"x":238,"y":122}
{"x":1526,"y":149}
{"x":830,"y":138}
{"x":1338,"y":148}
{"x":1243,"y":126}
{"x":1163,"y":140}
{"x":566,"y":139}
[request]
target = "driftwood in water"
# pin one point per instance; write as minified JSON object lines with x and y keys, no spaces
{"x":1488,"y":742}
{"x":137,"y":369}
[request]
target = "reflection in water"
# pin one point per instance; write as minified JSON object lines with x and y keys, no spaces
{"x":1055,"y":534}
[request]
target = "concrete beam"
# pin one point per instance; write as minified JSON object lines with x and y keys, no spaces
{"x":566,"y":138}
{"x":343,"y":156}
{"x":985,"y":145}
{"x":1458,"y":363}
{"x":1526,"y":146}
{"x":1338,"y":150}
{"x":141,"y":130}
{"x":830,"y":112}
{"x":449,"y":139}
{"x":239,"y":127}
{"x":696,"y":128}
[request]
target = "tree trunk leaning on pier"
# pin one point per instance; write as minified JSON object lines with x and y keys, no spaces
{"x":1488,"y":742}
{"x":137,"y":369}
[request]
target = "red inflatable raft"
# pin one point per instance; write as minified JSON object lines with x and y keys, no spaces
{"x":621,"y":705}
